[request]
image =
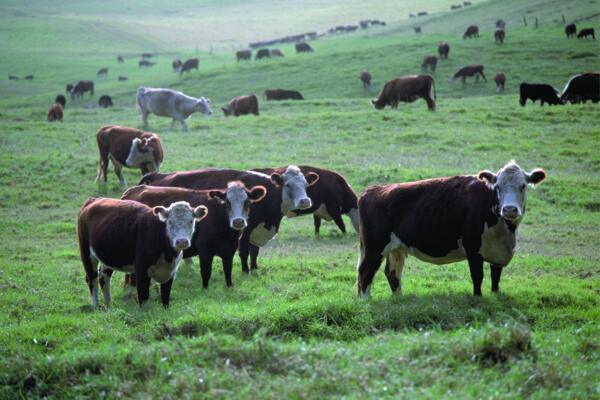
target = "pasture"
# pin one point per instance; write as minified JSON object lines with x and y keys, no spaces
{"x":295,"y":328}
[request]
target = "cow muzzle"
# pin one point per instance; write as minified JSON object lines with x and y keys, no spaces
{"x":304,"y":203}
{"x":510,"y":213}
{"x":238,"y":224}
{"x":182,"y":244}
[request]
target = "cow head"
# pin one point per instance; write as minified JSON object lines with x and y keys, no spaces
{"x":378,"y":104}
{"x":510,"y":184}
{"x":294,"y":184}
{"x":227,"y":110}
{"x":141,"y":151}
{"x":237,"y":198}
{"x":203,"y":105}
{"x":180,"y":220}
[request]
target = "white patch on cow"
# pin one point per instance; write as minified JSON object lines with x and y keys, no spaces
{"x":392,"y":245}
{"x":293,"y":193}
{"x":180,"y":222}
{"x":355,"y":219}
{"x":163,"y":270}
{"x":259,"y":174}
{"x":137,"y":157}
{"x":497,"y":244}
{"x":321,"y":212}
{"x":453,"y":255}
{"x":260,"y":235}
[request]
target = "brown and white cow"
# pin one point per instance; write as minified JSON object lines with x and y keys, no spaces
{"x":127,"y":147}
{"x":442,"y":221}
{"x":365,"y":78}
{"x":282,"y":94}
{"x":127,"y":236}
{"x":429,"y":62}
{"x":242,"y":105}
{"x":219,"y":233}
{"x":55,"y":113}
{"x":468,"y":71}
{"x":285,"y":192}
{"x":407,"y":89}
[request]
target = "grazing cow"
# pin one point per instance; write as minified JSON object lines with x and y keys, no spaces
{"x":176,"y":65}
{"x":120,"y":59}
{"x":467,"y":3}
{"x":303,"y":48}
{"x":469,"y":70}
{"x":13,"y":78}
{"x":262,"y":53}
{"x":81,"y":87}
{"x":417,"y":29}
{"x":169,"y":103}
{"x":105,"y":101}
{"x":412,"y":15}
{"x":584,"y":33}
{"x":128,"y":236}
{"x":500,"y":80}
{"x":407,"y":89}
{"x":243,"y":55}
{"x":55,"y":113}
{"x":242,"y":105}
{"x":539,"y":91}
{"x":581,"y":88}
{"x":443,"y":50}
{"x":61,"y":100}
{"x":147,"y":55}
{"x":499,"y":36}
{"x":285,"y":192}
{"x":219,"y":234}
{"x":472,"y":31}
{"x":69,"y":88}
{"x":422,"y":13}
{"x":455,"y":6}
{"x":188,"y":65}
{"x":442,"y":221}
{"x":145,"y":63}
{"x":122,"y":78}
{"x":127,"y":147}
{"x":570,"y":30}
{"x":331,"y":197}
{"x":30,"y":77}
{"x":282,"y":94}
{"x":102,"y":71}
{"x":365,"y":78}
{"x":429,"y":62}
{"x":276,"y":53}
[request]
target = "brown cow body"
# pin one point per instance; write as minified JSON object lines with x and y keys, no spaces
{"x":584,"y":33}
{"x":469,"y":70}
{"x":303,"y":48}
{"x":365,"y":78}
{"x":429,"y":62}
{"x":55,"y":113}
{"x":282,"y":94}
{"x":571,"y":30}
{"x":127,"y":147}
{"x":407,"y":89}
{"x":500,"y":80}
{"x":275,"y":53}
{"x":499,"y":36}
{"x":262,"y":53}
{"x":243,"y":55}
{"x":105,"y":101}
{"x":471,"y":32}
{"x":443,"y":50}
{"x":539,"y":91}
{"x":145,"y":63}
{"x":81,"y":87}
{"x":189,"y":65}
{"x":242,"y":105}
{"x":102,"y":71}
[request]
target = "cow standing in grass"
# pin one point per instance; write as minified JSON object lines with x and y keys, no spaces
{"x":539,"y":91}
{"x":467,"y":71}
{"x":407,"y":89}
{"x":570,"y":30}
{"x":169,"y":103}
{"x":429,"y":62}
{"x":55,"y":113}
{"x":471,"y":32}
{"x":499,"y":36}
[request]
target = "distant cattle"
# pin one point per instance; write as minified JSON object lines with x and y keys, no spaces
{"x":570,"y":30}
{"x":417,"y":29}
{"x":145,"y":63}
{"x":282,"y":94}
{"x":13,"y":78}
{"x":365,"y":78}
{"x":147,"y":55}
{"x":412,"y":15}
{"x":499,"y":36}
{"x":61,"y":100}
{"x":81,"y":87}
{"x":262,"y":53}
{"x":30,"y":77}
{"x":169,"y":103}
{"x":242,"y":105}
{"x":276,"y":53}
{"x":55,"y":113}
{"x":122,"y":78}
{"x":429,"y":62}
{"x":129,"y":148}
{"x":105,"y":101}
{"x":455,"y":6}
{"x":243,"y":55}
{"x":584,"y":33}
{"x":472,"y":31}
{"x":228,"y":212}
{"x":303,"y":48}
{"x":102,"y":71}
{"x":467,"y":3}
{"x":176,"y":65}
{"x":407,"y":89}
{"x":120,"y":59}
{"x":539,"y":91}
{"x":188,"y":65}
{"x":422,"y":13}
{"x":581,"y":88}
{"x":500,"y":24}
{"x":468,"y":71}
{"x":442,"y":221}
{"x":500,"y":80}
{"x":443,"y":50}
{"x":129,"y":236}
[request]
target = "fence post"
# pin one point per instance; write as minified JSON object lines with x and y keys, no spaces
{"x":536,"y":22}
{"x":524,"y":20}
{"x":564,"y":20}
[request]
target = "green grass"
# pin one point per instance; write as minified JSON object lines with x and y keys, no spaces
{"x":295,"y":328}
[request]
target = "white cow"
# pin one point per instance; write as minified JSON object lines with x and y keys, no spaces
{"x":169,"y":103}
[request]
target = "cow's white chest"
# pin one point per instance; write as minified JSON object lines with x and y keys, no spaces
{"x":164,"y":270}
{"x":321,"y":212}
{"x":261,"y":235}
{"x":454,"y":255}
{"x":497,"y":244}
{"x":114,"y":161}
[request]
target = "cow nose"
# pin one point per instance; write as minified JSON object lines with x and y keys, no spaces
{"x":305,"y":203}
{"x":182,"y":244}
{"x":510,"y":212}
{"x":238,"y":223}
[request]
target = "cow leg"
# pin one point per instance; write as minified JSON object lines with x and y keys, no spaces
{"x":368,"y":264}
{"x":495,"y":272}
{"x":227,"y":268}
{"x":90,"y":265}
{"x":317,"y":221}
{"x":142,"y":284}
{"x":145,"y":119}
{"x":102,"y":168}
{"x":483,"y":76}
{"x":183,"y":125}
{"x":476,"y":267}
{"x":244,"y":251}
{"x":394,"y":264}
{"x":476,"y":78}
{"x":165,"y":292}
{"x":463,"y":79}
{"x":206,"y":260}
{"x":253,"y":256}
{"x":104,"y":278}
{"x":430,"y":103}
{"x":336,"y":214}
{"x":119,"y":172}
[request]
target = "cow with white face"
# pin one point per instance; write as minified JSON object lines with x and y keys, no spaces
{"x":443,"y":220}
{"x":294,"y":185}
{"x":129,"y":236}
{"x":169,"y":103}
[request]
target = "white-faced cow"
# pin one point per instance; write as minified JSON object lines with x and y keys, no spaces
{"x":169,"y":103}
{"x":285,"y":192}
{"x":442,"y":221}
{"x":127,"y":236}
{"x":127,"y":147}
{"x":219,"y":233}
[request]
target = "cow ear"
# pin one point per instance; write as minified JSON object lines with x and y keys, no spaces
{"x":312,"y":178}
{"x":200,"y":213}
{"x":536,"y":176}
{"x":218,"y":195}
{"x":277,"y":179}
{"x":487,"y":176}
{"x":257,"y":194}
{"x":161,"y":212}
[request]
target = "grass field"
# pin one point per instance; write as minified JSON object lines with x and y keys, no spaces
{"x":295,"y":327}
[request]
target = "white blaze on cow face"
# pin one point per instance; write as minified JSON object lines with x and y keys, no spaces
{"x":237,"y":199}
{"x":294,"y":184}
{"x":180,"y":220}
{"x":511,"y":185}
{"x":203,"y":105}
{"x":140,"y":153}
